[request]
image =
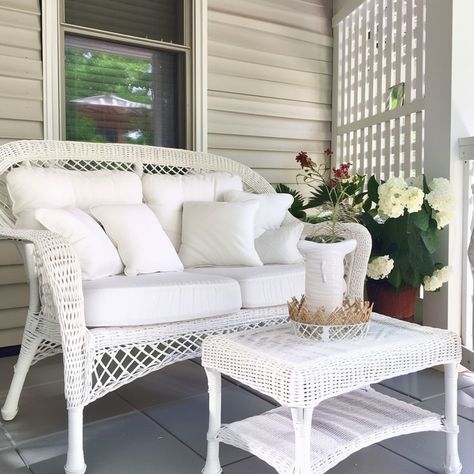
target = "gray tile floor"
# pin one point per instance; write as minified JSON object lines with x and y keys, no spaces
{"x":158,"y":425}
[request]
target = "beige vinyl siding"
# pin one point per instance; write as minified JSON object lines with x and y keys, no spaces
{"x":20,"y":118}
{"x":269,"y":83}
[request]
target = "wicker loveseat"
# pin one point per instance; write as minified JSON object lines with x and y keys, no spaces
{"x":100,"y":359}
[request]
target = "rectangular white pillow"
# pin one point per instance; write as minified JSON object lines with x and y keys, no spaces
{"x":141,"y":241}
{"x":219,"y":233}
{"x":53,"y":188}
{"x":97,"y":256}
{"x":165,"y":195}
{"x":273,"y":208}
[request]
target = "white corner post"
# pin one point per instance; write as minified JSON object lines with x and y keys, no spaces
{"x":51,"y":34}
{"x":212,"y":459}
{"x":302,"y":420}
{"x":449,"y":115}
{"x":200,"y":75}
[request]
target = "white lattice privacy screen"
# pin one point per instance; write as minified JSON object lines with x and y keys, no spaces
{"x":379,"y":45}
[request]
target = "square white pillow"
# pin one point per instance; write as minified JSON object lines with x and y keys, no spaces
{"x":280,"y":245}
{"x":272,"y":209}
{"x":165,"y":195}
{"x":219,"y":233}
{"x":97,"y":256}
{"x":141,"y":241}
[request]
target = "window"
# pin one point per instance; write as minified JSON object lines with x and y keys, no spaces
{"x":126,"y":71}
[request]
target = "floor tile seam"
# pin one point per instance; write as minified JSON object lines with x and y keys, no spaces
{"x":406,"y":394}
{"x":173,"y":435}
{"x":13,"y":445}
{"x":403,"y":456}
{"x":22,"y":444}
{"x":249,"y":456}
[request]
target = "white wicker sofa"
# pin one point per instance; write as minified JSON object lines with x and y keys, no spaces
{"x":100,"y":359}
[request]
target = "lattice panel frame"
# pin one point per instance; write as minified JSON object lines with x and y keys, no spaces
{"x":380,"y":44}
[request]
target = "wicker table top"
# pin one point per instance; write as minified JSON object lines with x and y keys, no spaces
{"x":299,"y":372}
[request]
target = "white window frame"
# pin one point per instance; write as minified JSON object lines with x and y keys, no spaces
{"x":53,"y":92}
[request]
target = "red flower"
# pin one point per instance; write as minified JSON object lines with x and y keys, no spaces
{"x":342,"y":172}
{"x":328,"y":152}
{"x":304,"y":160}
{"x":332,"y":184}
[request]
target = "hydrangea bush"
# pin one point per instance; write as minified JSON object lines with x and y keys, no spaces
{"x":404,"y":218}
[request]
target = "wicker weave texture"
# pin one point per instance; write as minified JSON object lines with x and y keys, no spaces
{"x":340,"y":427}
{"x":300,"y":373}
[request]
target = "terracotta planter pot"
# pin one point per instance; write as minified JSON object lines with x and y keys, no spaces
{"x":387,"y":300}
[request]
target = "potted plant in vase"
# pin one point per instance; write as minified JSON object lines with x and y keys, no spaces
{"x":404,"y":219}
{"x":333,"y":192}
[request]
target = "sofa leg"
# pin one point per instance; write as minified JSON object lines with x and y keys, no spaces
{"x":27,"y":352}
{"x":75,"y":453}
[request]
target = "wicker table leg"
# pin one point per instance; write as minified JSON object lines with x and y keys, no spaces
{"x":212,"y":459}
{"x":452,"y":463}
{"x":302,"y":418}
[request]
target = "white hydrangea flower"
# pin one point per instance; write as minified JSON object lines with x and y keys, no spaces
{"x":414,"y":199}
{"x":392,"y":197}
{"x":396,"y":195}
{"x":436,"y":281}
{"x":380,"y":267}
{"x":441,"y":199}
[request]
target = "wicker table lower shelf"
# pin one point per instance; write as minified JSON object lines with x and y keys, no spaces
{"x":337,"y":429}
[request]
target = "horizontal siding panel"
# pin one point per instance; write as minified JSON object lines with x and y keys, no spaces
{"x":269,"y":27}
{"x":21,"y":109}
{"x":264,"y":159}
{"x":21,"y":67}
{"x":240,"y":85}
{"x":11,"y":337}
{"x":242,"y":124}
{"x":13,"y":296}
{"x":20,"y":38}
{"x":268,"y":107}
{"x":254,"y":56}
{"x":9,"y":254}
{"x":31,"y":6}
{"x":239,"y":68}
{"x":279,"y":176}
{"x":12,"y":274}
{"x":290,"y":15}
{"x":264,"y":41}
{"x":20,"y":88}
{"x":21,"y":129}
{"x":26,"y":20}
{"x":12,"y":318}
{"x":240,"y":142}
{"x":34,"y":54}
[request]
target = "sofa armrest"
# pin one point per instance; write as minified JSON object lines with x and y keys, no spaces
{"x":60,"y":292}
{"x":356,"y":265}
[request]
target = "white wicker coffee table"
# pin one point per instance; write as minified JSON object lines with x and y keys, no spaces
{"x":328,"y":410}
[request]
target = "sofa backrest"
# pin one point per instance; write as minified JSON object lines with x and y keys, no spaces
{"x":139,"y":159}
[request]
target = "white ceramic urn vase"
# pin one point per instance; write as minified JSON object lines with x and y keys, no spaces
{"x":325,"y":284}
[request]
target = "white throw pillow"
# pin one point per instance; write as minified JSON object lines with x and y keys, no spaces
{"x":53,"y":188}
{"x":165,"y":195}
{"x":272,"y":210}
{"x":141,"y":241}
{"x":280,"y":245}
{"x":219,"y":233}
{"x":97,"y":255}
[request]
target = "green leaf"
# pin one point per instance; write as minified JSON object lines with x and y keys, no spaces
{"x":373,"y":189}
{"x":430,"y":239}
{"x":298,"y":206}
{"x":395,"y":277}
{"x":420,"y":219}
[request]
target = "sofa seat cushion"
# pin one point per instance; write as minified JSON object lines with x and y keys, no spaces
{"x":269,"y":285}
{"x":158,"y":298}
